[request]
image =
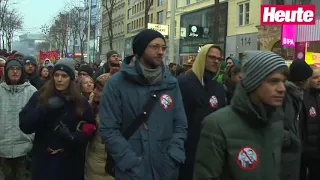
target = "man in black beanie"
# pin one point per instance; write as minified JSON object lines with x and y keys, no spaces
{"x":84,"y":70}
{"x":299,"y":73}
{"x":145,"y":93}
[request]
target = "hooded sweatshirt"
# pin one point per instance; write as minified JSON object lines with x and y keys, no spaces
{"x":202,"y":95}
{"x":13,"y":142}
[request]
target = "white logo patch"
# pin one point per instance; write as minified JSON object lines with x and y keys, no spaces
{"x":213,"y":102}
{"x":312,"y":112}
{"x":166,"y":101}
{"x":247,"y":158}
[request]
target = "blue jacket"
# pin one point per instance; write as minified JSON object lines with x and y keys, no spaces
{"x":152,"y":153}
{"x":67,"y":164}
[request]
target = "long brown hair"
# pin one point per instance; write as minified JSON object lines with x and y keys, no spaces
{"x":47,"y":91}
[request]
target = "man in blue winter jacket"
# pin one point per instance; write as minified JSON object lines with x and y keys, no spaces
{"x":156,"y":149}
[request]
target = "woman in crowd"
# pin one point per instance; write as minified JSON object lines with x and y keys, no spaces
{"x":44,"y":73}
{"x":311,"y":128}
{"x":96,"y":151}
{"x":85,"y":85}
{"x":63,"y":123}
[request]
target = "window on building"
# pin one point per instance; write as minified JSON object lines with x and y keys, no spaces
{"x":142,"y":21}
{"x":129,"y":13}
{"x":160,"y":2}
{"x":151,"y":18}
{"x":244,"y":11}
{"x":187,"y":2}
{"x":276,"y":1}
{"x":160,"y":17}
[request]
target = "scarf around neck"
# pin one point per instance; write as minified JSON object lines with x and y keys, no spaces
{"x":151,"y":75}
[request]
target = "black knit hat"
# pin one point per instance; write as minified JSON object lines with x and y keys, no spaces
{"x":142,"y":39}
{"x":87,"y":69}
{"x":299,"y":70}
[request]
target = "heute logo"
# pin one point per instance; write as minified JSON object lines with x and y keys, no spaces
{"x":288,"y":14}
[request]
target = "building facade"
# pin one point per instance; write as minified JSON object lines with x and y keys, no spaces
{"x":269,"y":37}
{"x":135,"y":18}
{"x":195,"y":26}
{"x":243,"y":17}
{"x":27,"y":43}
{"x":118,"y":22}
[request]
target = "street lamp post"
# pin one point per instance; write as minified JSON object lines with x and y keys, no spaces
{"x":172,"y":32}
{"x":89,"y":30}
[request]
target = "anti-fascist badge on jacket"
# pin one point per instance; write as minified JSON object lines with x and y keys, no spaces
{"x":213,"y":102}
{"x":166,"y":101}
{"x":247,"y":158}
{"x":312,"y":112}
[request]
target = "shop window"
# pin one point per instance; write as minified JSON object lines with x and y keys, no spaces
{"x":244,"y":13}
{"x":286,"y":52}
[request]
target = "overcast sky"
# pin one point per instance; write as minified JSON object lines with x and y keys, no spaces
{"x":36,"y":13}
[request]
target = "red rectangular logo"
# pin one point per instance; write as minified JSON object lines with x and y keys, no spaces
{"x":288,"y":14}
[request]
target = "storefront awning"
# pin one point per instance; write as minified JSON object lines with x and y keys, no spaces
{"x":307,"y":33}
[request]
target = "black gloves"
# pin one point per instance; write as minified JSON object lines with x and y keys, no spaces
{"x":64,"y":131}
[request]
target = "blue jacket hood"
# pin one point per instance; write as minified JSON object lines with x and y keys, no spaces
{"x":235,"y":60}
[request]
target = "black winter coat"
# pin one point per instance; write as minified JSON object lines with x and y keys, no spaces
{"x":310,"y":126}
{"x":291,"y":149}
{"x":67,"y":163}
{"x":199,"y":101}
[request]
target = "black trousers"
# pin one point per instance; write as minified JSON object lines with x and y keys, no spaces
{"x":310,"y":168}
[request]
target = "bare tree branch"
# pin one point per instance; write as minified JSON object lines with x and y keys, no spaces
{"x":109,"y":6}
{"x":147,"y":6}
{"x":13,"y":23}
{"x":78,"y":23}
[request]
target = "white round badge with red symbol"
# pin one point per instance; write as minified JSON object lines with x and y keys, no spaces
{"x":213,"y":102}
{"x":247,"y":158}
{"x":166,"y":101}
{"x":312,"y":112}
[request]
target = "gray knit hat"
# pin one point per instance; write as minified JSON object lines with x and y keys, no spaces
{"x":257,"y":65}
{"x":110,"y":53}
{"x":67,"y":65}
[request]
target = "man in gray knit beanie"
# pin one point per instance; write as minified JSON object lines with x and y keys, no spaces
{"x":257,"y":65}
{"x":249,"y":131}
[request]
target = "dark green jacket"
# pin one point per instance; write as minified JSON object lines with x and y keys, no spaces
{"x":240,"y":142}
